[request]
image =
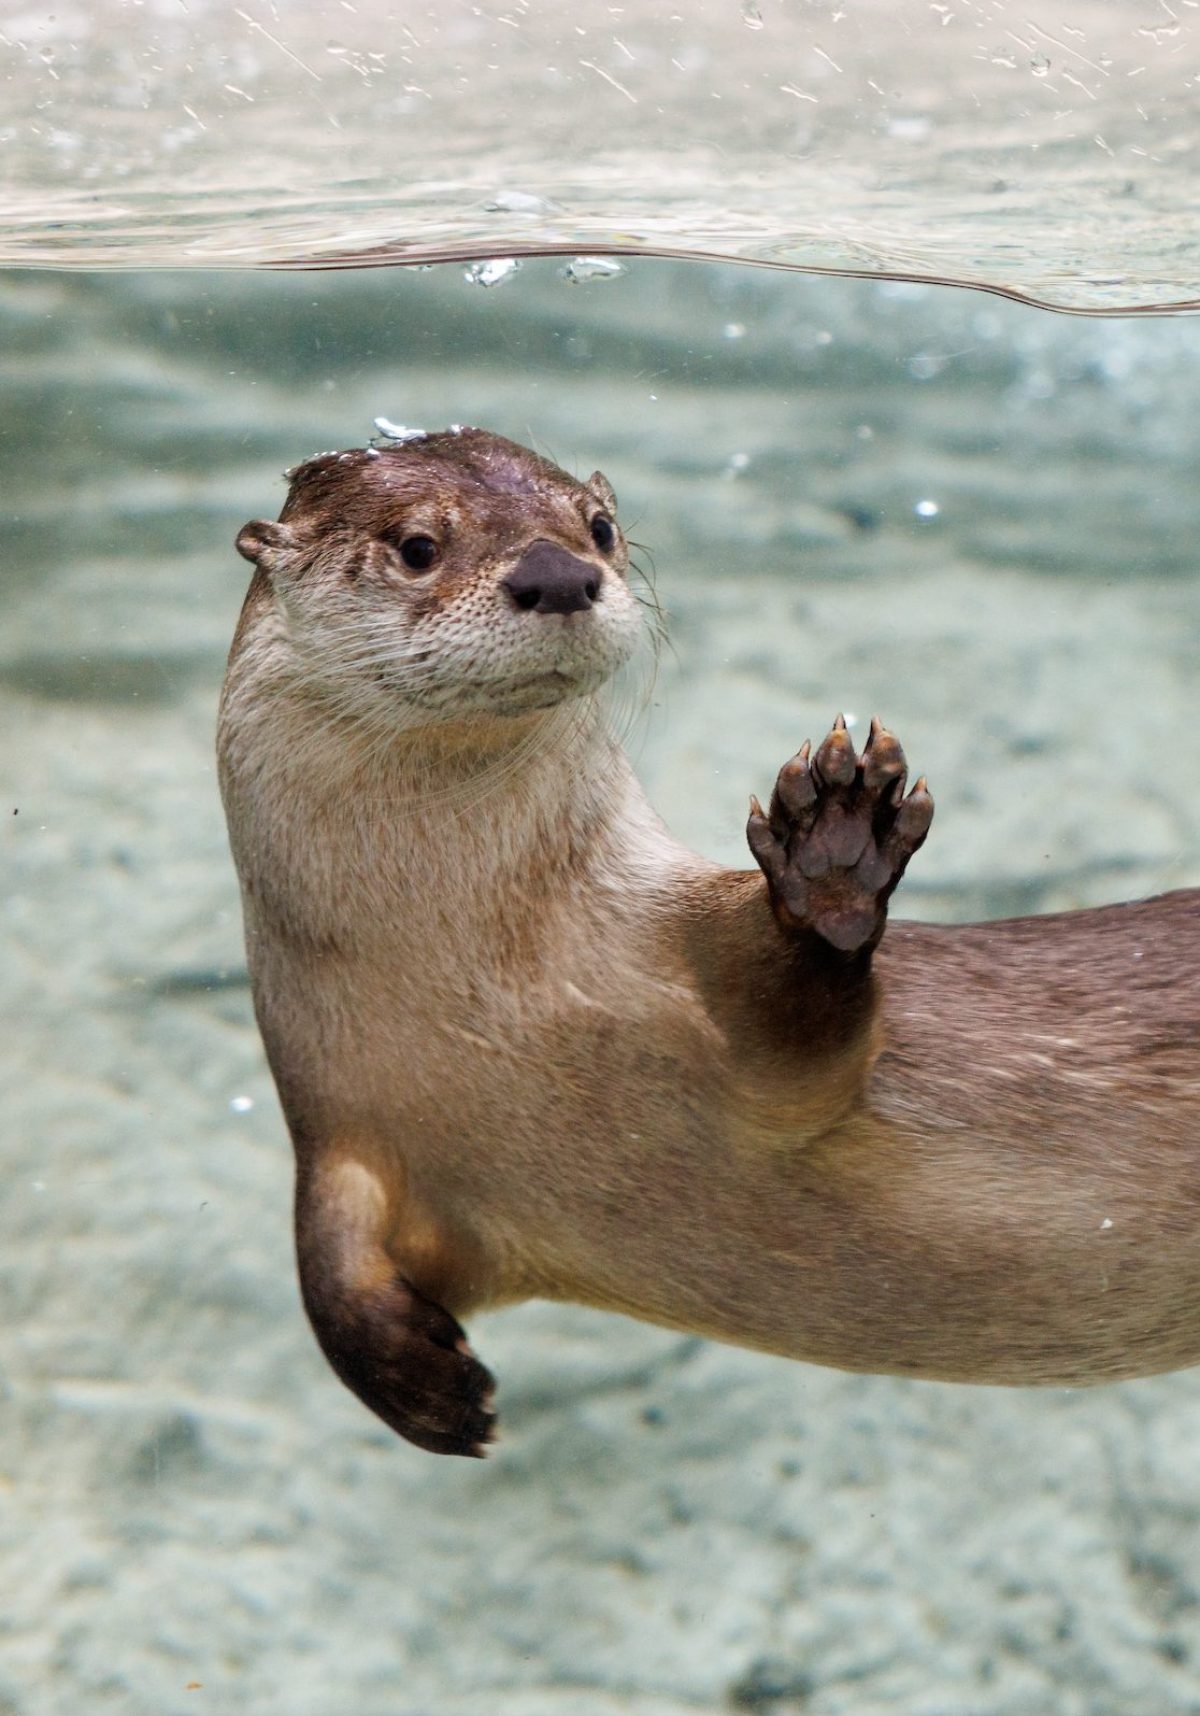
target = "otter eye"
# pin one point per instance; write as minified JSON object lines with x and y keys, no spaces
{"x":418,"y":552}
{"x":604,"y":533}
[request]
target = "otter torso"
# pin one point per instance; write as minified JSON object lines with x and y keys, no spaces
{"x":529,"y":1045}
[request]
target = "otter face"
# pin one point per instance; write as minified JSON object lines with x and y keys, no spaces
{"x":453,"y":574}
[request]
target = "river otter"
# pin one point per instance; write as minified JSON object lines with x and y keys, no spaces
{"x":528,"y":1045}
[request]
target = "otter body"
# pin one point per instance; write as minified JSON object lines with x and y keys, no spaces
{"x":529,"y":1046}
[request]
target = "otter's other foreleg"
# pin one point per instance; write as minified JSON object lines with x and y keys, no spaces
{"x":786,"y":970}
{"x":400,"y":1351}
{"x":837,"y":837}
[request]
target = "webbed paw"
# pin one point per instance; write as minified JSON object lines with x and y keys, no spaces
{"x":409,"y":1361}
{"x":838,"y":835}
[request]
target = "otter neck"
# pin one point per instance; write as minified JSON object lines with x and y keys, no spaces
{"x":336,"y":833}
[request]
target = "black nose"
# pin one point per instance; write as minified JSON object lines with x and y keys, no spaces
{"x":549,"y":580}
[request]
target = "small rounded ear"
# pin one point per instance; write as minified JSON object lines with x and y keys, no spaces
{"x":262,"y":539}
{"x":599,"y":486}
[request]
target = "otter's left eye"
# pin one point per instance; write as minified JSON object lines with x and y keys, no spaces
{"x":604,"y":533}
{"x":418,"y":552}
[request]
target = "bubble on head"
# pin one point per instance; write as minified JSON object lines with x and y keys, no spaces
{"x":397,"y":431}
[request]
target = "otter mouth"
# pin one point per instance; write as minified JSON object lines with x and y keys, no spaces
{"x":525,"y":694}
{"x":539,"y":690}
{"x":539,"y":681}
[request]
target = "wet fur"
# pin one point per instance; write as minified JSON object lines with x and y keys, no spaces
{"x":528,"y":1045}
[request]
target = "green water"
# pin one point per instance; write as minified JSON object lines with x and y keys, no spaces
{"x":975,"y":518}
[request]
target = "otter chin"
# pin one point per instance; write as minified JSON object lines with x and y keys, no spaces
{"x":529,"y":1045}
{"x":545,"y":692}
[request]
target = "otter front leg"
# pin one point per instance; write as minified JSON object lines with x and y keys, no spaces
{"x":838,"y":836}
{"x":400,"y":1351}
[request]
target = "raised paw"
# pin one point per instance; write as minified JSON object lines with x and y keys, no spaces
{"x":409,"y":1361}
{"x":838,"y":835}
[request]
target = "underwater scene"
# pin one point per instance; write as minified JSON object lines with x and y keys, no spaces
{"x":971,"y":517}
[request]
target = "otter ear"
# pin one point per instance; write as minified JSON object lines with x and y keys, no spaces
{"x":599,"y":486}
{"x":262,"y":540}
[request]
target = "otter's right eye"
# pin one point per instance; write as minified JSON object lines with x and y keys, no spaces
{"x":418,"y":552}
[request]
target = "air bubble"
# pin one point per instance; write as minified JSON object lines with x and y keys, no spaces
{"x":923,"y":366}
{"x":1039,"y":65}
{"x":752,"y":15}
{"x":494,"y":272}
{"x":583,"y":270}
{"x":397,"y":431}
{"x":521,"y":202}
{"x":910,"y":128}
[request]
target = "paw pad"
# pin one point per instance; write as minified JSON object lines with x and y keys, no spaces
{"x":838,"y":835}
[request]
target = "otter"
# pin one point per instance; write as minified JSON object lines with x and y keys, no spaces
{"x":528,"y":1045}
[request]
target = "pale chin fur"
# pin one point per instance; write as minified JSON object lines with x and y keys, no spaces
{"x":454,"y":666}
{"x":528,"y":698}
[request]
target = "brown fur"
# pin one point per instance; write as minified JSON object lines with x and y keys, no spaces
{"x":528,"y":1045}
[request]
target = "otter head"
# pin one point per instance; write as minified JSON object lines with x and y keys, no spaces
{"x":445,"y":576}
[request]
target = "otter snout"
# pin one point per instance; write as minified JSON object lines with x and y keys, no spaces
{"x":548,"y":579}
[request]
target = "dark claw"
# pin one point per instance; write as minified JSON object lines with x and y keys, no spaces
{"x":767,"y":850}
{"x":913,"y":817}
{"x":883,"y":759}
{"x":795,"y":789}
{"x":835,"y":762}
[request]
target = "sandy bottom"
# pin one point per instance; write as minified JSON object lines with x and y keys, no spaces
{"x":194,"y":1515}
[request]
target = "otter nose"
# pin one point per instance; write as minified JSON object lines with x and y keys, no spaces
{"x":549,"y":580}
